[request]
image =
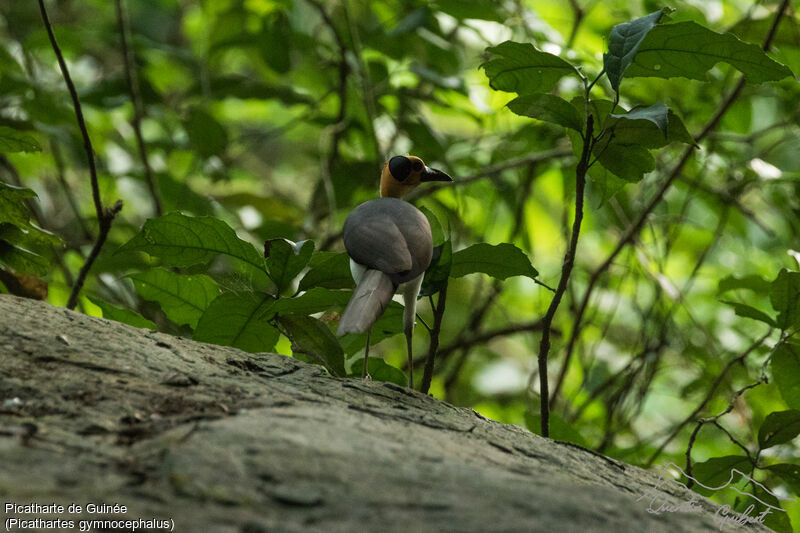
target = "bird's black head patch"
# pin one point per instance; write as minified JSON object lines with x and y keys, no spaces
{"x":400,"y":167}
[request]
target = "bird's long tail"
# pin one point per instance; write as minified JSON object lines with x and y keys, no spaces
{"x":372,"y":295}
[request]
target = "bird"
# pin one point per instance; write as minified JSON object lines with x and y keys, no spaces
{"x":390,"y":245}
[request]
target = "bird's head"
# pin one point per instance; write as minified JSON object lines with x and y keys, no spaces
{"x":404,"y":172}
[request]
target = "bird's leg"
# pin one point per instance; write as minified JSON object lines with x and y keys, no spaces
{"x":365,"y":374}
{"x":409,"y":332}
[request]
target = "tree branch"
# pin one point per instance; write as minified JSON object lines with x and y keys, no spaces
{"x":132,"y":80}
{"x":438,"y":313}
{"x":566,"y":270}
{"x":104,"y":216}
{"x":637,"y":225}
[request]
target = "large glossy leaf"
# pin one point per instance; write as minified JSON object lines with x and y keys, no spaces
{"x":785,"y":366}
{"x":12,"y":140}
{"x":183,"y":298}
{"x":648,"y":127}
{"x":329,"y":270}
{"x":311,"y":337}
{"x":778,"y":428}
{"x":239,"y":320}
{"x":183,"y":241}
{"x":547,"y":107}
{"x":285,"y":259}
{"x":624,"y":42}
{"x":521,"y":68}
{"x":784,"y":294}
{"x":689,"y":50}
{"x":500,"y":261}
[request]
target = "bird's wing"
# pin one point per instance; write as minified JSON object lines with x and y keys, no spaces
{"x":376,"y":242}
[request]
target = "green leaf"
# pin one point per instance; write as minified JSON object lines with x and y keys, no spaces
{"x":629,"y":162}
{"x":329,"y":270}
{"x":126,"y":316}
{"x":785,"y":366}
{"x":23,"y":260}
{"x":12,"y":208}
{"x":717,"y":472}
{"x":12,"y":140}
{"x":206,"y":134}
{"x":239,"y":320}
{"x":499,"y":261}
{"x":778,"y":428}
{"x":183,"y":241}
{"x":789,"y":473}
{"x":547,"y":107}
{"x":285,"y":259}
{"x":752,"y":282}
{"x":777,"y":519}
{"x":311,"y":337}
{"x":436,"y":226}
{"x":656,"y":114}
{"x":560,"y":429}
{"x":471,"y":9}
{"x":523,"y":69}
{"x":623,"y":44}
{"x":784,"y":294}
{"x":689,"y":50}
{"x":28,"y":235}
{"x":439,"y":270}
{"x":315,"y":300}
{"x":183,"y":298}
{"x":748,"y":311}
{"x":379,"y":370}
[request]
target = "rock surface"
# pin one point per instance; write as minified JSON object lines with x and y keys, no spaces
{"x":215,"y":439}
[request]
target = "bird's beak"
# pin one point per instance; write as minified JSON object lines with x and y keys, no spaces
{"x":432,"y":174}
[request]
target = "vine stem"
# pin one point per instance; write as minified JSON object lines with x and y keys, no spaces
{"x":105,"y":216}
{"x":566,"y":270}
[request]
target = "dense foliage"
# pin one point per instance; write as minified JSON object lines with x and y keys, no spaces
{"x":239,"y":133}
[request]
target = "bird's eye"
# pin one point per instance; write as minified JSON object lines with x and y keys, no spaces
{"x":417,"y":166}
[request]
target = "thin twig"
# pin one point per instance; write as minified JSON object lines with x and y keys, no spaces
{"x":132,"y":80}
{"x":438,"y":313}
{"x":104,"y":216}
{"x":566,"y":270}
{"x":659,"y":196}
{"x":736,"y":360}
